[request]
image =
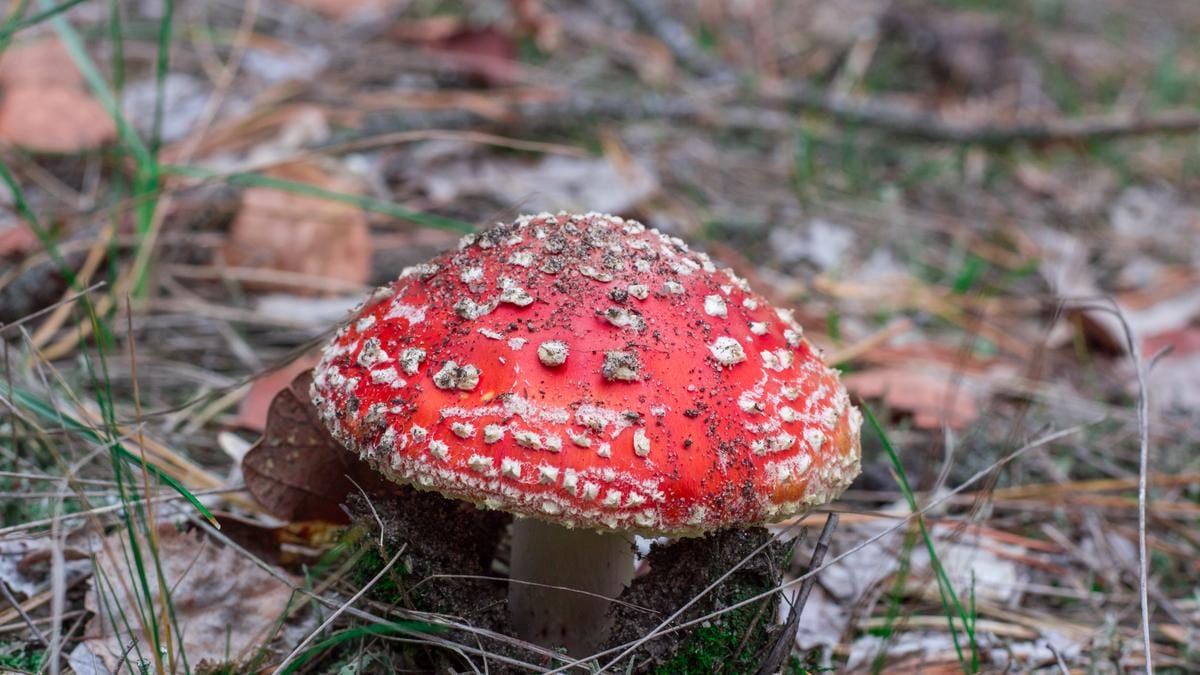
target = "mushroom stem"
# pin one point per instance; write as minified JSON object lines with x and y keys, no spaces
{"x":577,"y":559}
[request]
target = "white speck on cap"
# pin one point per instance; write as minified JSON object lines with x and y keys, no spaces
{"x":727,"y":351}
{"x":480,"y":463}
{"x":454,"y":376}
{"x":570,"y":481}
{"x":410,"y":360}
{"x":372,"y":353}
{"x":553,"y":353}
{"x":641,"y":444}
{"x":492,"y":433}
{"x":714,"y":305}
{"x":510,"y":468}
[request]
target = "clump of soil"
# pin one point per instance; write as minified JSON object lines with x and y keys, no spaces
{"x":735,"y":642}
{"x":439,"y":536}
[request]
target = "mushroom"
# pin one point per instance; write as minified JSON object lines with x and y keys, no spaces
{"x":597,"y":379}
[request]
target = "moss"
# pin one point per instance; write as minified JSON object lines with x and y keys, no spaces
{"x":389,"y":590}
{"x":22,"y":657}
{"x":734,"y":642}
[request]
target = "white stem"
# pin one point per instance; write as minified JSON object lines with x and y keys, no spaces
{"x":577,"y":559}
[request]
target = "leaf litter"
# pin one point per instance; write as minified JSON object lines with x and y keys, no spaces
{"x":818,"y":202}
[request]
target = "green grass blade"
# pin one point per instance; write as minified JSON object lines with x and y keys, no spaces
{"x":355,"y":633}
{"x":951,"y":605}
{"x":48,"y":413}
{"x":161,"y":65}
{"x":74,"y":45}
{"x":16,"y":25}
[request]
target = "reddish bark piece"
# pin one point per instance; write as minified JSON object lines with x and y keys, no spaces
{"x":297,"y":471}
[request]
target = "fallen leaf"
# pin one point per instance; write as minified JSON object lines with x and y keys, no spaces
{"x":287,"y":545}
{"x":42,"y":63}
{"x":299,"y":233}
{"x":1174,"y":381}
{"x":53,"y":119}
{"x":933,"y":399}
{"x":252,"y":413}
{"x":297,"y":471}
{"x":16,"y":239}
{"x":488,"y":52}
{"x":223,"y":605}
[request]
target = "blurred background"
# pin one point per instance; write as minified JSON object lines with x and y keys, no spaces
{"x":987,"y":214}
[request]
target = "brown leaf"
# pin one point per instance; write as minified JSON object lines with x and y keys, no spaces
{"x":223,"y":604}
{"x":53,"y":118}
{"x":287,"y":545}
{"x":16,"y":239}
{"x":252,"y":413}
{"x":301,"y":234}
{"x":297,"y":471}
{"x":488,"y":52}
{"x":932,"y":398}
{"x":40,"y":63}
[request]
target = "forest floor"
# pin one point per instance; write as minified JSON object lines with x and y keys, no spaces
{"x":986,"y":214}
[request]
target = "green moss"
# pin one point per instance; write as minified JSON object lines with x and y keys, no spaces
{"x":732,"y":643}
{"x":21,"y":657}
{"x":389,"y":589}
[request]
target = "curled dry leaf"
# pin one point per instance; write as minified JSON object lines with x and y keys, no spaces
{"x":932,"y":398}
{"x":297,"y":471}
{"x":224,"y":605}
{"x":301,"y":234}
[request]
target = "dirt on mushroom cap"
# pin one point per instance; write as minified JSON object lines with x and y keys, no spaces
{"x":710,"y":419}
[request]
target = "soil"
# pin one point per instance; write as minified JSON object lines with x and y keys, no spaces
{"x":444,"y":536}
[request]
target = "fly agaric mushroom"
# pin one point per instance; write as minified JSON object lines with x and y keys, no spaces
{"x":595,"y":378}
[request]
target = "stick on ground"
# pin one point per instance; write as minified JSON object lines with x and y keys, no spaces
{"x":787,"y":637}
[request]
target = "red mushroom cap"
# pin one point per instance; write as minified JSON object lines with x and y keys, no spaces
{"x":591,"y":372}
